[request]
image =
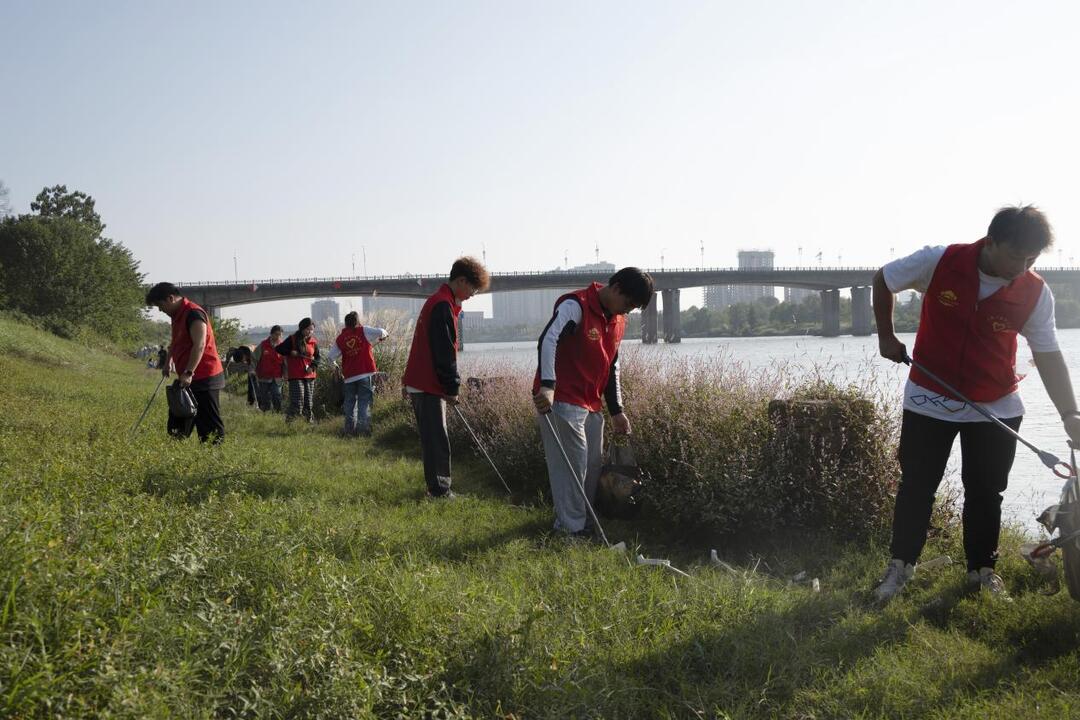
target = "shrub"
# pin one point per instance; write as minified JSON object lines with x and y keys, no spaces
{"x":715,"y":456}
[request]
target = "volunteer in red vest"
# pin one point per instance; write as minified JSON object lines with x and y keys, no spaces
{"x":193,"y":354}
{"x":356,"y":346}
{"x":431,"y":378}
{"x":301,"y":353}
{"x":269,"y":369}
{"x":578,"y":371}
{"x":977,"y":298}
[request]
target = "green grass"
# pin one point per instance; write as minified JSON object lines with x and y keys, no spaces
{"x":290,"y":573}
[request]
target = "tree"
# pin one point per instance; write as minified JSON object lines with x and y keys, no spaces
{"x":5,"y":200}
{"x":753,"y":315}
{"x":736,"y":317}
{"x":56,"y":266}
{"x":58,"y":202}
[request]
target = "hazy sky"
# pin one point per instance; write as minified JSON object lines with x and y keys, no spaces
{"x":297,"y":135}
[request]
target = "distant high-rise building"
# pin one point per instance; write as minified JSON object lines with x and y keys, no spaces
{"x":796,"y":296}
{"x":530,"y":307}
{"x":720,"y":296}
{"x":326,"y":309}
{"x":471,"y":319}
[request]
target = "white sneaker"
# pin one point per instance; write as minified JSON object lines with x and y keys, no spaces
{"x":897,"y":573}
{"x":986,"y":579}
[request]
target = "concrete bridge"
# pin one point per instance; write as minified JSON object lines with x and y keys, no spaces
{"x":827,"y":280}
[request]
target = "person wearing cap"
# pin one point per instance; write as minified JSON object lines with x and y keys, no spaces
{"x":578,"y":370}
{"x":977,"y":297}
{"x":193,"y":355}
{"x":431,"y":380}
{"x":301,"y":353}
{"x":356,"y":347}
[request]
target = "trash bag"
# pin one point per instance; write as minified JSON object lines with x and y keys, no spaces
{"x":1065,"y":518}
{"x":618,"y":494}
{"x":181,"y":401}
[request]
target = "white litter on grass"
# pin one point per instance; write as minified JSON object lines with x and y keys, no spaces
{"x":802,"y":578}
{"x":715,"y":560}
{"x":618,"y":547}
{"x":660,"y":562}
{"x":938,"y":562}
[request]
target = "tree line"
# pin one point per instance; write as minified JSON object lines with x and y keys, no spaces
{"x":58,"y":268}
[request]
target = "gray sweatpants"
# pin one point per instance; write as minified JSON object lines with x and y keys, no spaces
{"x":582,"y":436}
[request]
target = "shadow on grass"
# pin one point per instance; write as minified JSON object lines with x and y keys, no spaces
{"x":753,"y":668}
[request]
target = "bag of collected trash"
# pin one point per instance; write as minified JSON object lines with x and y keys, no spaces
{"x":618,"y":492}
{"x":181,"y":401}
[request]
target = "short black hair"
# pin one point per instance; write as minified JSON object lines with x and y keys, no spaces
{"x":635,"y":284}
{"x":352,"y":319}
{"x":275,"y":329}
{"x":161,"y":291}
{"x":1025,"y":227}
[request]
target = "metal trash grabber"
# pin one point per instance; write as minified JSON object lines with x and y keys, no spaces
{"x":577,"y":481}
{"x":480,"y":445}
{"x":1047,"y":548}
{"x":1049,"y":459}
{"x":147,"y":408}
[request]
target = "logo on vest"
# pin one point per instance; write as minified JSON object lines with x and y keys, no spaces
{"x":999,"y":323}
{"x":350,"y":343}
{"x":948,"y":298}
{"x":594,"y":334}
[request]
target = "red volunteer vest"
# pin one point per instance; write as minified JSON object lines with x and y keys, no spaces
{"x":967,"y":342}
{"x":357,"y":354}
{"x":420,"y":368}
{"x":583,"y":359}
{"x":180,"y":349}
{"x":269,"y":366}
{"x":299,"y":367}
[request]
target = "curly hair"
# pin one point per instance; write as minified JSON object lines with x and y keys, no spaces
{"x":473,"y":271}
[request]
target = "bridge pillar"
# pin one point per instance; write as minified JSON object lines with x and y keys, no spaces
{"x":672,"y":323}
{"x":830,"y":313}
{"x":861,"y":312}
{"x":649,"y":322}
{"x":213,"y":312}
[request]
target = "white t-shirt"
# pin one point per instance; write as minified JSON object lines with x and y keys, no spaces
{"x":914,"y":272}
{"x":374,"y":336}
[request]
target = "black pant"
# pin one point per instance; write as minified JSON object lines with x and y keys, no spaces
{"x":430,"y":411}
{"x":206,"y":421}
{"x":987,"y":454}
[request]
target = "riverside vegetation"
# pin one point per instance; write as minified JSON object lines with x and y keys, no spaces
{"x":290,"y":573}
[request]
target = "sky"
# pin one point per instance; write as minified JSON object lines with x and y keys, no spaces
{"x":309,"y":139}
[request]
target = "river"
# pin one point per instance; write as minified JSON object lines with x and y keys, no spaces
{"x":845,"y":359}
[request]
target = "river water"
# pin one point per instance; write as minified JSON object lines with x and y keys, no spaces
{"x":850,"y":359}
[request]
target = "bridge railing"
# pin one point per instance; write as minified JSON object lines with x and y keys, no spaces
{"x":564,"y":273}
{"x":526,"y":273}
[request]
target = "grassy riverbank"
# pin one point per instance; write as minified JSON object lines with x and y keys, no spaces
{"x":290,"y":573}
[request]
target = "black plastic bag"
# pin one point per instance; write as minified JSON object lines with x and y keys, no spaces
{"x":182,"y":402}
